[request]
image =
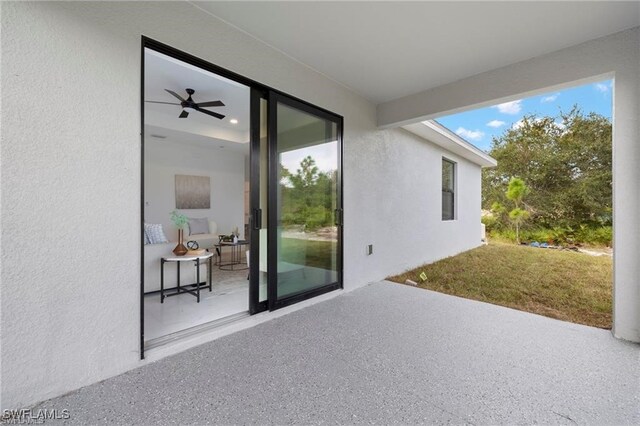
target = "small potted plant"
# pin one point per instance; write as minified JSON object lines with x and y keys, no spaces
{"x":179,"y":220}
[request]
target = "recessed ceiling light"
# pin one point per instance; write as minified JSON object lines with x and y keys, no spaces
{"x":233,"y":121}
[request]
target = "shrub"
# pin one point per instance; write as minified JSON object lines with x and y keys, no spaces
{"x":602,"y":235}
{"x":585,"y":234}
{"x":489,"y":222}
{"x":503,"y":235}
{"x":540,"y":235}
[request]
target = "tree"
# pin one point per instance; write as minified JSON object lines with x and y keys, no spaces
{"x":566,"y":164}
{"x":306,"y":175}
{"x":516,"y":193}
{"x":308,"y":195}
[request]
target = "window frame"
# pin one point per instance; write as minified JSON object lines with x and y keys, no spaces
{"x":454,"y":190}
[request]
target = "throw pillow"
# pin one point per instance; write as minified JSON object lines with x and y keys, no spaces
{"x":213,"y":227}
{"x":155,"y":233}
{"x":198,"y":226}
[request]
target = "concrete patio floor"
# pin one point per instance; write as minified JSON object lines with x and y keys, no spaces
{"x":385,"y":354}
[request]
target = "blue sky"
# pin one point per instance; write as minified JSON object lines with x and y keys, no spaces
{"x":479,"y":126}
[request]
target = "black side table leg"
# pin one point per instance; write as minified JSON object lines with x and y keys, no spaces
{"x":209,"y":272}
{"x":198,"y":278}
{"x":178,"y":269}
{"x":162,"y":281}
{"x":236,"y":254}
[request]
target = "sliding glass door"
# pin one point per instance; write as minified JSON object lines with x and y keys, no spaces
{"x":283,"y":189}
{"x":305,"y":239}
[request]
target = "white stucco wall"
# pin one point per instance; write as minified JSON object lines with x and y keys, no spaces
{"x":70,"y":164}
{"x":617,"y":56}
{"x":404,"y":181}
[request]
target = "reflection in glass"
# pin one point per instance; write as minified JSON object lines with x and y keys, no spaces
{"x":448,"y":190}
{"x":307,"y":149}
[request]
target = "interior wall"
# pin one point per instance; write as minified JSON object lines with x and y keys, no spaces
{"x":164,"y":159}
{"x":247,"y":196}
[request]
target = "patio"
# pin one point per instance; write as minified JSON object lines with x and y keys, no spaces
{"x":406,"y":356}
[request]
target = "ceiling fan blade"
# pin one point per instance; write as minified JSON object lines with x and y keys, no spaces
{"x":210,"y":104}
{"x":175,"y":94}
{"x":158,"y":102}
{"x":183,"y":114}
{"x":211,"y":113}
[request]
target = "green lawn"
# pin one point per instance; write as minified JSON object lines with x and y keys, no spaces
{"x":565,"y":285}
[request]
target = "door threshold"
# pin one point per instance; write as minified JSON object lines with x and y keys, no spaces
{"x":191,"y":331}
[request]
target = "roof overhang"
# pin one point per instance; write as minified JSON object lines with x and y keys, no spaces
{"x":444,"y":138}
{"x":382,"y":50}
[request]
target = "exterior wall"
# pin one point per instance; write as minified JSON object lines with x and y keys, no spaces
{"x":70,"y":192}
{"x":617,"y":55}
{"x":407,"y":229}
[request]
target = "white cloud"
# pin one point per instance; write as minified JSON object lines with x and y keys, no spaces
{"x":602,"y":88}
{"x":496,"y":123}
{"x":550,"y":98}
{"x":474,"y":135}
{"x":518,"y":124}
{"x":512,"y":107}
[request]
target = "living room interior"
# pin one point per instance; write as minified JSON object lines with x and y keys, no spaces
{"x":212,"y":253}
{"x":196,"y":169}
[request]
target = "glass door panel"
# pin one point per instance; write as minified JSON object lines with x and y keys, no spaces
{"x":263,"y":197}
{"x":306,"y":199}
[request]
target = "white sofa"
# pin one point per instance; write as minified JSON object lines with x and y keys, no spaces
{"x":154,"y":252}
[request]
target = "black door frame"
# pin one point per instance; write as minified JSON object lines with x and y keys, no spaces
{"x":255,"y":217}
{"x":258,"y":91}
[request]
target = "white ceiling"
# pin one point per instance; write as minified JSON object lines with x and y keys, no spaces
{"x":152,"y":132}
{"x":163,"y":72}
{"x":387,"y":50}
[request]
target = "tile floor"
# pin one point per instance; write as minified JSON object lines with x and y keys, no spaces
{"x":229,"y":296}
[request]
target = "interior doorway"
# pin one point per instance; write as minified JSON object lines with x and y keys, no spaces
{"x":196,"y":181}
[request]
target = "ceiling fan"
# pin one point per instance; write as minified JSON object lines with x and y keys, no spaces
{"x":189,"y":104}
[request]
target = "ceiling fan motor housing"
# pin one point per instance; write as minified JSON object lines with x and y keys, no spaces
{"x":188,"y":102}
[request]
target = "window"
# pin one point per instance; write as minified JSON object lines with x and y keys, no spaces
{"x":448,"y":189}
